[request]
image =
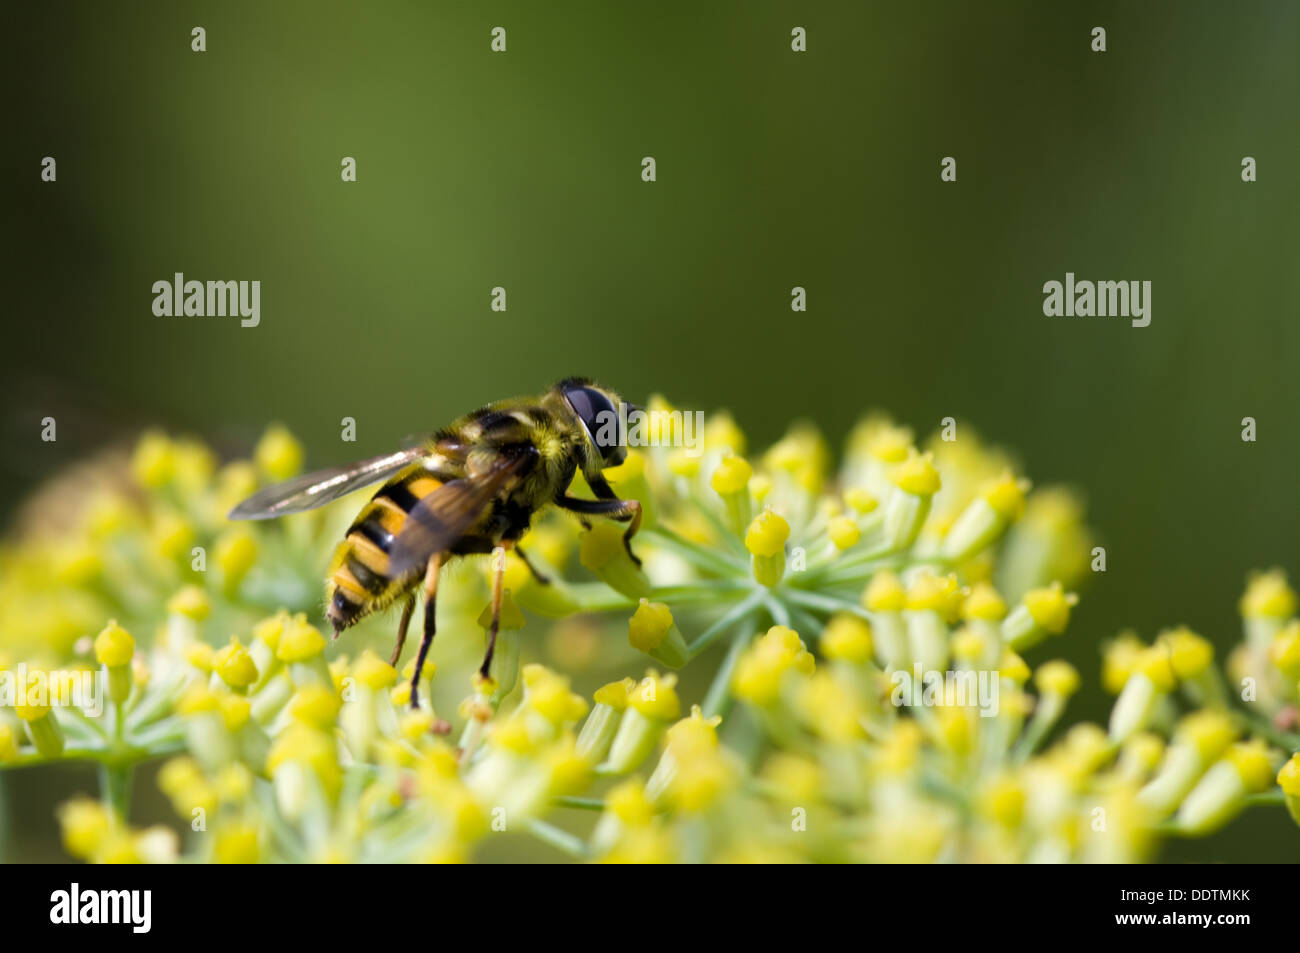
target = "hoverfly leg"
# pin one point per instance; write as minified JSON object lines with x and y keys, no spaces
{"x":543,"y":579}
{"x":498,"y":581}
{"x":430,"y":624}
{"x":407,"y":611}
{"x":625,"y":511}
{"x":635,"y":507}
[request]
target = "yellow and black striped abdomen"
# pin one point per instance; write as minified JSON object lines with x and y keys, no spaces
{"x":359,"y":582}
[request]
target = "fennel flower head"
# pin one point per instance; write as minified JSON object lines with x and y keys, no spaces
{"x":811,"y":661}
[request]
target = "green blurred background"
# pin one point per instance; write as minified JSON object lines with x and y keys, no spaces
{"x":775,"y":169}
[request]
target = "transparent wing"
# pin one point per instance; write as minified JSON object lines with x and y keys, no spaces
{"x":311,"y":490}
{"x":441,"y":518}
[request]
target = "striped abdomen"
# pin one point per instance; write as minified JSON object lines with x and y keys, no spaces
{"x":359,"y":582}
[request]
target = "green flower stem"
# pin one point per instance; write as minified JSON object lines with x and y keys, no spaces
{"x":802,"y":621}
{"x":1045,"y":717}
{"x":128,"y":755}
{"x":780,"y":615}
{"x":695,"y":553}
{"x":1251,"y":722}
{"x":824,"y":603}
{"x":165,"y":732}
{"x":728,"y":536}
{"x":115,"y":787}
{"x":708,"y":591}
{"x":579,"y":803}
{"x":78,"y":722}
{"x":845,"y":563}
{"x":598,"y":597}
{"x":718,"y":699}
{"x":561,"y":840}
{"x":158,"y":705}
{"x":834,"y":558}
{"x":737,"y":612}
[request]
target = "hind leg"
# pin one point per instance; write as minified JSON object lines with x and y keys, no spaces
{"x":407,"y":611}
{"x":498,"y":581}
{"x":430,"y":623}
{"x":540,"y":577}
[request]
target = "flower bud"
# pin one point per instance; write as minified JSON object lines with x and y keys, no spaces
{"x":278,"y":455}
{"x":986,"y":518}
{"x":235,"y":551}
{"x":652,"y":706}
{"x":85,"y":825}
{"x":731,"y":482}
{"x":761,"y":670}
{"x":234,"y":666}
{"x":1199,"y":740}
{"x":916,"y":481}
{"x":765,"y":539}
{"x":599,"y":729}
{"x":1041,"y":613}
{"x":886,"y":598}
{"x":114,"y":649}
{"x":653,"y":631}
{"x":603,"y":551}
{"x":1220,"y":795}
{"x":302,"y":648}
{"x":1267,"y":603}
{"x":42,"y":727}
{"x":1151,"y":680}
{"x":847,"y":638}
{"x":1288,"y":779}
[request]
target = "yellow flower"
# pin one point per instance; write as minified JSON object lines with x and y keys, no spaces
{"x":762,"y":667}
{"x":1268,"y":595}
{"x":1057,"y":677}
{"x":656,"y":697}
{"x":1285,"y":650}
{"x":918,"y":476}
{"x":114,"y":645}
{"x":1189,"y":654}
{"x":300,"y":642}
{"x":374,"y":672}
{"x":984,"y":602}
{"x":235,"y":552}
{"x":548,"y":694}
{"x":731,"y":476}
{"x":844,"y":532}
{"x":316,"y":705}
{"x":848,"y":638}
{"x":885,"y":593}
{"x":767,"y":534}
{"x":153,"y":462}
{"x":236,"y":844}
{"x":278,"y":454}
{"x":191,"y":602}
{"x":86,"y":825}
{"x":235,"y":666}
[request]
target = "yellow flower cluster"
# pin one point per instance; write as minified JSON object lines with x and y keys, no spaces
{"x":874,"y":638}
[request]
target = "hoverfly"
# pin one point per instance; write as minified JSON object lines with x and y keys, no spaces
{"x":468,"y":489}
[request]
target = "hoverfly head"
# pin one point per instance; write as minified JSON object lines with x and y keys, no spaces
{"x":598,"y":411}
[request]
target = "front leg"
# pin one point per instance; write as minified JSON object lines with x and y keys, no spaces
{"x":625,"y":511}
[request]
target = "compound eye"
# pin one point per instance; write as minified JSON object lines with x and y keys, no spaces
{"x":599,"y":416}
